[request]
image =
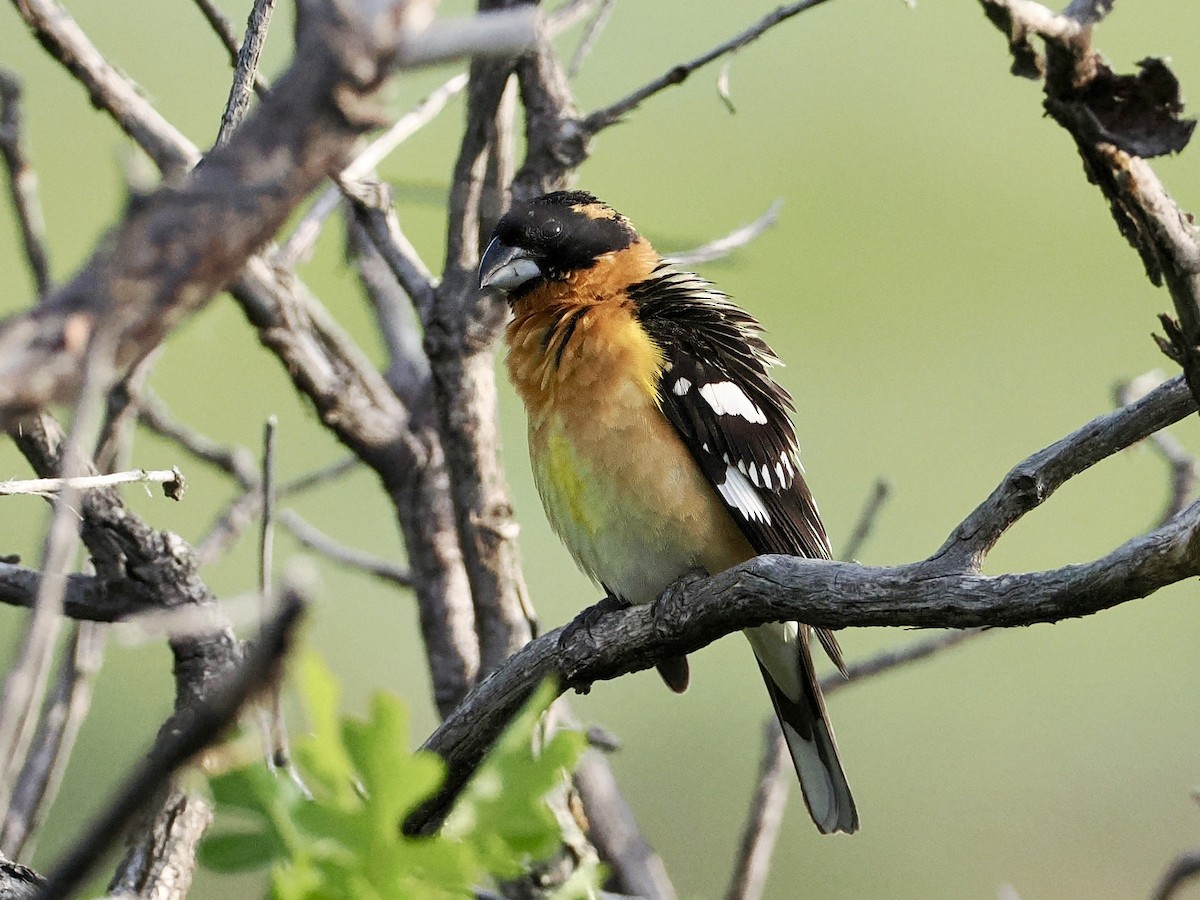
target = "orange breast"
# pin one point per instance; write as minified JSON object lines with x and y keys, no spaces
{"x":617,"y":482}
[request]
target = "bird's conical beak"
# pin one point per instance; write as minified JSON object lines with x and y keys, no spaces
{"x":506,"y":268}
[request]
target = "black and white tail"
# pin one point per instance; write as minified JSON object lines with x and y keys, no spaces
{"x":787,"y":667}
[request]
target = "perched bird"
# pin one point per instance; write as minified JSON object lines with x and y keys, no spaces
{"x":660,"y":443}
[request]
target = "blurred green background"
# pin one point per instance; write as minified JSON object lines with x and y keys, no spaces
{"x":950,"y":295}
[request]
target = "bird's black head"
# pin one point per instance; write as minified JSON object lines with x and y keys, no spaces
{"x":549,"y":237}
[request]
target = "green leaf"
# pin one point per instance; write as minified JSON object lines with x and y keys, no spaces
{"x":322,"y":754}
{"x":503,"y":813}
{"x":345,"y":843}
{"x":394,"y":779}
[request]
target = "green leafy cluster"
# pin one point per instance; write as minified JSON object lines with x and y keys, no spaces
{"x":345,"y":841}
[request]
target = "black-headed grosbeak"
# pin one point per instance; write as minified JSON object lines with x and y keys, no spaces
{"x":660,"y":443}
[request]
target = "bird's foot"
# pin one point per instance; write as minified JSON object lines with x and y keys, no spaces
{"x":577,"y":643}
{"x":670,"y":609}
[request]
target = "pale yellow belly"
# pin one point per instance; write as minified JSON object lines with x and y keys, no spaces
{"x":629,"y":502}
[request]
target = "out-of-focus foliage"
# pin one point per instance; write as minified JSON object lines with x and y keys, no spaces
{"x":344,"y":842}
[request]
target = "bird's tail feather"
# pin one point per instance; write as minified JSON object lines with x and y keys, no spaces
{"x":798,"y":703}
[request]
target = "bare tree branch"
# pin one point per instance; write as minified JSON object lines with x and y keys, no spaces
{"x":161,"y":858}
{"x":610,"y":115}
{"x":317,"y":540}
{"x":1185,"y":469}
{"x":224,"y":30}
{"x":25,"y":683}
{"x":171,"y":480}
{"x":108,"y":88}
{"x":1184,"y":868}
{"x":753,"y":861}
{"x":723,"y":246}
{"x":591,"y":36}
{"x":1116,"y":121}
{"x":459,"y":340}
{"x":235,"y":461}
{"x":835,"y":595}
{"x":304,"y":235}
{"x":22,"y":183}
{"x":636,"y":868}
{"x":185,"y":242}
{"x":880,"y":491}
{"x":1031,"y":482}
{"x":246,"y":68}
{"x":424,"y":507}
{"x":66,"y":707}
{"x":376,"y":215}
{"x":205,"y":722}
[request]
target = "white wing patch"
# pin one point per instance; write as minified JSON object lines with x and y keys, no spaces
{"x":737,"y":491}
{"x":727,"y":399}
{"x":681,"y":387}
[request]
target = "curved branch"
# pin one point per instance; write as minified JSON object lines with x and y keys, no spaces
{"x":1031,"y":482}
{"x":928,"y":594}
{"x":820,"y":593}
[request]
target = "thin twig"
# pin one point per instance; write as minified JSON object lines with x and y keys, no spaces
{"x":610,"y":115}
{"x":224,"y":30}
{"x":636,"y":869}
{"x":246,"y":69}
{"x":47,"y":761}
{"x":204,"y":724}
{"x":235,"y":461}
{"x":308,"y":228}
{"x":591,"y":36}
{"x":1032,"y":481}
{"x":266,"y":543}
{"x":25,"y":683}
{"x":753,"y":861}
{"x":723,"y":246}
{"x":315,"y":539}
{"x":893,"y":657}
{"x":494,"y":33}
{"x":1185,"y":468}
{"x":171,"y":479}
{"x":109,"y":88}
{"x":275,"y":738}
{"x":378,"y":219}
{"x":420,"y":495}
{"x":880,"y":491}
{"x":563,"y":17}
{"x":241,"y":512}
{"x":1184,"y":868}
{"x":22,"y":183}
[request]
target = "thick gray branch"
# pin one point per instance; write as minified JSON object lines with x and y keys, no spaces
{"x":944,"y":591}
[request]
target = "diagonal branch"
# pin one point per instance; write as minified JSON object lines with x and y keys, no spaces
{"x":189,"y":240}
{"x":1032,"y":481}
{"x":22,"y":183}
{"x":206,"y":721}
{"x":246,"y":68}
{"x":929,"y":594}
{"x":224,"y":30}
{"x":610,"y":115}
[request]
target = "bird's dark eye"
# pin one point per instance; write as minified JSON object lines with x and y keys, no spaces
{"x":550,"y":230}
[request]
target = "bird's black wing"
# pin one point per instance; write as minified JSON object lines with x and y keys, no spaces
{"x":717,"y":391}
